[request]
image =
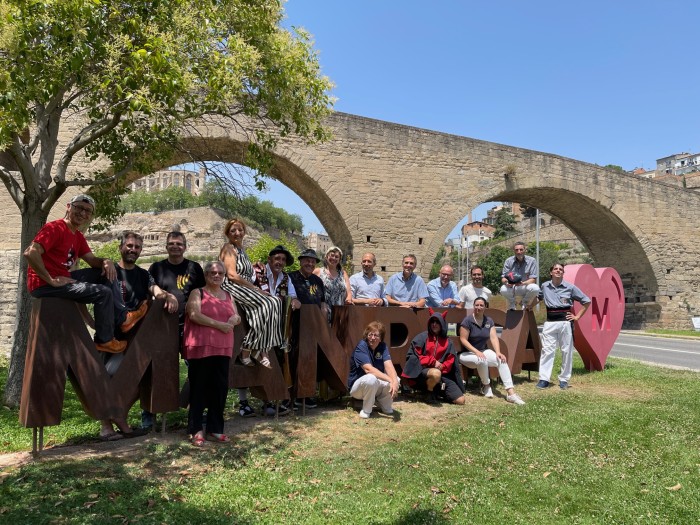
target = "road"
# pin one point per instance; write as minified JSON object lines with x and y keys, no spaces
{"x":675,"y":352}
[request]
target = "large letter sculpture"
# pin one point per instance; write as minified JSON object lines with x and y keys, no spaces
{"x":597,"y":330}
{"x":60,"y":345}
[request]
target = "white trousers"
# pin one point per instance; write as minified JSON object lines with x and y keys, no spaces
{"x":527,"y":292}
{"x":482,"y":366}
{"x":370,"y":388}
{"x":557,"y":334}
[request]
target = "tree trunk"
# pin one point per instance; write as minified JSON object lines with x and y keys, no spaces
{"x":32,"y":220}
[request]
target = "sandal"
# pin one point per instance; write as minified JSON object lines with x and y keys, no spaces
{"x":113,"y":436}
{"x":198,"y":440}
{"x":218,"y":438}
{"x":245,"y":359}
{"x":261,"y":357}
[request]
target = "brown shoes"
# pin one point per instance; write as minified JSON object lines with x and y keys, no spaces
{"x":112,"y":347}
{"x":134,"y":317}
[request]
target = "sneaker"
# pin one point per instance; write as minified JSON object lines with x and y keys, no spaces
{"x":134,"y":317}
{"x":245,"y":410}
{"x":364,"y":415}
{"x":515,"y":398}
{"x":563,"y":385}
{"x":270,"y":409}
{"x":486,"y":391}
{"x":542,"y":384}
{"x":112,"y":347}
{"x":288,"y":405}
{"x":147,"y":420}
{"x":310,"y":402}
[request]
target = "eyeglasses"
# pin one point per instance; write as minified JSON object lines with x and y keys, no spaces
{"x":175,"y":244}
{"x":82,"y":209}
{"x":373,"y":335}
{"x":214,"y":272}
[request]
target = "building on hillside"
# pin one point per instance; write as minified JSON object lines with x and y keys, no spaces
{"x":192,"y":181}
{"x":678,"y":164}
{"x":476,"y":231}
{"x":319,"y":242}
{"x":645,"y":174}
{"x":514,"y":209}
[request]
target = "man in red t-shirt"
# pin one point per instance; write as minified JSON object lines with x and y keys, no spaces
{"x":55,"y":250}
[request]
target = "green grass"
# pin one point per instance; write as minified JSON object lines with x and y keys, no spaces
{"x":665,"y":331}
{"x":620,"y":446}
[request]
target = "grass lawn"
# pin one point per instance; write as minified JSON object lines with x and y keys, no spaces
{"x":620,"y":446}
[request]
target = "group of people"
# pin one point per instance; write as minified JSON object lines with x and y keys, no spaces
{"x":211,"y":301}
{"x":432,"y":362}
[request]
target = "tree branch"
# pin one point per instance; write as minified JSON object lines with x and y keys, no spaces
{"x":13,"y":187}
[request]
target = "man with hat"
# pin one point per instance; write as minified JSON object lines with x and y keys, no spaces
{"x":281,"y":286}
{"x":519,"y":277}
{"x":51,"y":255}
{"x":310,"y":290}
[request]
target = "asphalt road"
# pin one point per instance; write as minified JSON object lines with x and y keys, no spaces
{"x":666,"y":351}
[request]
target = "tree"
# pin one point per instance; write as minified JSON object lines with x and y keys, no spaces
{"x":504,"y":223}
{"x":549,"y":254}
{"x":134,"y":76}
{"x":266,"y":243}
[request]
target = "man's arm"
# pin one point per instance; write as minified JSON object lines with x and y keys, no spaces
{"x":171,"y":304}
{"x":107,"y":266}
{"x":434,"y":296}
{"x":33,"y":255}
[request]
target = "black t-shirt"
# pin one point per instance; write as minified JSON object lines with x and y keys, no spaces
{"x":179,"y":280}
{"x":134,"y":284}
{"x":309,"y":289}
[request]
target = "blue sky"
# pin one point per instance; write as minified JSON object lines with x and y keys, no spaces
{"x":607,"y":82}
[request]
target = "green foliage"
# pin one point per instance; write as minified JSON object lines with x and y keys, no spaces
{"x":109,"y":250}
{"x":615,"y":167}
{"x":504,"y":224}
{"x":442,"y":259}
{"x":492,"y":264}
{"x":549,"y":254}
{"x":266,"y":243}
{"x":217,"y":195}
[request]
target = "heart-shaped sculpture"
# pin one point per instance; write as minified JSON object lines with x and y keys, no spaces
{"x":597,"y":330}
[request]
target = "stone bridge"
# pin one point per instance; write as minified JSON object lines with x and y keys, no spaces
{"x":394,"y":189}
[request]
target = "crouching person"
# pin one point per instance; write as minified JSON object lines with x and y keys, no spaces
{"x":431,"y":365}
{"x":372,"y":374}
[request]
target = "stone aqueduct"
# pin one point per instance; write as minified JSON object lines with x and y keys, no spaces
{"x":394,"y":189}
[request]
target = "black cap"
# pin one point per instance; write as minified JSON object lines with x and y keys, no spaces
{"x":281,"y":249}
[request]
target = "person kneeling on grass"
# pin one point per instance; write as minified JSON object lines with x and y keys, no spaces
{"x":475,"y":332}
{"x":431,"y":365}
{"x":372,"y":374}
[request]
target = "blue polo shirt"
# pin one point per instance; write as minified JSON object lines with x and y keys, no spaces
{"x":406,"y":290}
{"x":363,"y":355}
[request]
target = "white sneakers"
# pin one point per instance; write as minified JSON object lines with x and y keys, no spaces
{"x":364,"y":415}
{"x":515,"y":398}
{"x":512,"y":398}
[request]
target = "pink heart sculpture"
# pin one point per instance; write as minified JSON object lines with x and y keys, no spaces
{"x":597,"y":330}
